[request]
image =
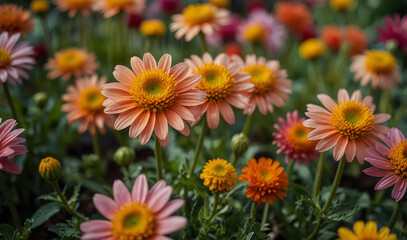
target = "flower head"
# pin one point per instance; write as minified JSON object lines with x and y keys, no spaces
{"x":14,"y":58}
{"x":152,"y":28}
{"x":110,"y":8}
{"x":378,"y":67}
{"x":219,"y":175}
{"x":197,"y":18}
{"x":368,"y":231}
{"x":341,"y":5}
{"x":266,"y":180}
{"x":294,"y":15}
{"x":292,"y":140}
{"x":394,"y":29}
{"x":357,"y":40}
{"x":152,"y":96}
{"x":73,"y":6}
{"x":83,"y":102}
{"x":13,"y":19}
{"x":40,"y":6}
{"x":223,"y":84}
{"x":10,"y":145}
{"x":50,"y":169}
{"x":141,"y":214}
{"x":349,"y":125}
{"x":332,"y":37}
{"x":312,"y":48}
{"x":71,"y":61}
{"x":389,"y":162}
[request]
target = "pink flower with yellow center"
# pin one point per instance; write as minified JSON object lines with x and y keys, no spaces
{"x":389,"y":162}
{"x":10,"y":145}
{"x":141,"y":214}
{"x":291,"y":139}
{"x":110,"y":8}
{"x":84,"y":102}
{"x":73,"y":6}
{"x":349,"y":125}
{"x":271,"y":85}
{"x":152,"y":96}
{"x":224,"y":85}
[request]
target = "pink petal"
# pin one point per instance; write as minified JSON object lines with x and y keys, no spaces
{"x":149,"y":61}
{"x":121,"y":193}
{"x":350,"y":150}
{"x":165,"y":63}
{"x":161,"y":125}
{"x":170,"y":208}
{"x":327,"y":101}
{"x":399,"y":190}
{"x":340,"y":148}
{"x":9,"y":166}
{"x":140,"y":189}
{"x":171,"y":224}
{"x":145,"y":135}
{"x":157,"y":201}
{"x":387,"y":181}
{"x":174,"y":120}
{"x":342,"y":95}
{"x":227,"y":112}
{"x":96,"y":226}
{"x":376,"y":172}
{"x":212,"y":115}
{"x":105,"y":205}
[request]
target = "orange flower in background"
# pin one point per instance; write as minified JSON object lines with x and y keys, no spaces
{"x":71,"y":62}
{"x":331,"y":35}
{"x":83,"y":102}
{"x":266,"y":178}
{"x":13,"y":19}
{"x":295,"y":16}
{"x":73,"y":6}
{"x":110,"y":8}
{"x":357,"y":39}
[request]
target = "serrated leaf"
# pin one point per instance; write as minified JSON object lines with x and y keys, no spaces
{"x":48,"y":197}
{"x":65,"y":231}
{"x":44,"y":213}
{"x":74,"y":198}
{"x":340,"y":212}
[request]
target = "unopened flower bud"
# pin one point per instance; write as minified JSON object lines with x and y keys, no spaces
{"x":124,"y":156}
{"x":90,"y":161}
{"x":50,"y":169}
{"x":40,"y":99}
{"x":239,"y":143}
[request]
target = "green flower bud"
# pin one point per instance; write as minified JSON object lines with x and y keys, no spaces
{"x":239,"y":143}
{"x":50,"y":169}
{"x":124,"y":156}
{"x":91,"y":161}
{"x":40,"y":99}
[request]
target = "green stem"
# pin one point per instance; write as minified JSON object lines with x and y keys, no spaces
{"x":11,"y":103}
{"x":204,"y":45}
{"x":315,"y":231}
{"x":384,"y":101}
{"x":247,"y":125}
{"x":82,"y":30}
{"x":215,"y":206}
{"x":13,"y":210}
{"x":150,"y":44}
{"x":265,"y":213}
{"x":335,"y":184}
{"x":399,"y":114}
{"x":290,"y":169}
{"x":47,"y":32}
{"x":198,"y":147}
{"x":395,"y":214}
{"x":234,"y":159}
{"x":318,"y":175}
{"x":96,"y":147}
{"x":64,"y":202}
{"x":158,"y":159}
{"x":120,"y":138}
{"x":253,"y":211}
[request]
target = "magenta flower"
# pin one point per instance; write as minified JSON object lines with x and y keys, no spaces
{"x":389,"y":162}
{"x":141,"y":214}
{"x":394,"y":29}
{"x":9,"y":146}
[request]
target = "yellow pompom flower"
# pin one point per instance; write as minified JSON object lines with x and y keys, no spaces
{"x":219,"y":175}
{"x":341,"y":5}
{"x":40,"y":6}
{"x":220,"y":3}
{"x":152,"y":28}
{"x":312,"y":48}
{"x":50,"y":169}
{"x":368,"y":231}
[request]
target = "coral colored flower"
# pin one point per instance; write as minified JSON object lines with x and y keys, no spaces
{"x":349,"y":125}
{"x":291,"y":139}
{"x":377,"y":67}
{"x":357,"y":40}
{"x":13,"y":19}
{"x":271,"y":85}
{"x":197,"y":18}
{"x":394,"y":29}
{"x":331,"y":35}
{"x":389,"y":162}
{"x":311,"y":48}
{"x":141,"y":214}
{"x":266,"y":180}
{"x":14,"y":58}
{"x":10,"y":146}
{"x":152,"y":28}
{"x":295,"y":16}
{"x":152,"y":96}
{"x":363,"y":232}
{"x":71,"y":61}
{"x":223,"y":84}
{"x":219,"y":175}
{"x":73,"y":6}
{"x":110,"y":8}
{"x":83,"y":102}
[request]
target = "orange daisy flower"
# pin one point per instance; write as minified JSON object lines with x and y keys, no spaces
{"x":271,"y":85}
{"x":73,"y":6}
{"x":266,"y":180}
{"x":13,"y":19}
{"x":349,"y":125}
{"x":224,"y":85}
{"x":84,"y":102}
{"x":295,"y":16}
{"x":72,"y":61}
{"x":152,"y":96}
{"x":110,"y":8}
{"x":198,"y":18}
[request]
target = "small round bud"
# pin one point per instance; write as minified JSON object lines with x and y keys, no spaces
{"x":50,"y":169}
{"x":239,"y":143}
{"x":90,"y":160}
{"x":40,"y":99}
{"x":124,"y":156}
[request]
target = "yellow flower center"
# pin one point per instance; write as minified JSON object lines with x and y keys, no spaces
{"x":352,"y":119}
{"x":341,"y":5}
{"x":198,"y":14}
{"x":398,"y":159}
{"x":134,"y":221}
{"x":297,"y":138}
{"x":154,"y":90}
{"x":70,"y":60}
{"x":216,"y":81}
{"x":5,"y":59}
{"x":262,"y":78}
{"x":119,"y":3}
{"x":255,"y":33}
{"x":79,"y":4}
{"x":91,"y":99}
{"x":380,"y":62}
{"x":265,"y":174}
{"x":220,"y":170}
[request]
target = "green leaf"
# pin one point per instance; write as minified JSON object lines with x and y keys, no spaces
{"x":6,"y":231}
{"x":340,"y":212}
{"x":74,"y":198}
{"x":65,"y":231}
{"x":44,"y":213}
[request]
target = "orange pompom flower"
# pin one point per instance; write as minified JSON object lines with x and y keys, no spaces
{"x":266,"y":180}
{"x":295,"y":16}
{"x":219,"y":175}
{"x":110,"y":8}
{"x":334,"y":37}
{"x":13,"y":19}
{"x":73,"y":6}
{"x":331,"y":35}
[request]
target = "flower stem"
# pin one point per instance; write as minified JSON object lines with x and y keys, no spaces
{"x":401,"y":111}
{"x":215,"y":206}
{"x":158,"y":158}
{"x":247,"y":125}
{"x":335,"y":184}
{"x":290,"y":169}
{"x":64,"y":202}
{"x":384,"y":101}
{"x":204,"y":45}
{"x":150,"y":44}
{"x":318,"y":176}
{"x":315,"y":231}
{"x":253,"y":212}
{"x":395,"y":214}
{"x":198,"y":147}
{"x":96,"y":147}
{"x":234,"y":159}
{"x":11,"y":103}
{"x":265,"y":213}
{"x":13,"y":210}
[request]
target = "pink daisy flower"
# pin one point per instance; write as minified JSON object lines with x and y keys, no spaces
{"x":389,"y":162}
{"x":394,"y":29}
{"x":348,"y":125}
{"x":10,"y":146}
{"x":14,"y":58}
{"x":291,"y":139}
{"x":141,"y":214}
